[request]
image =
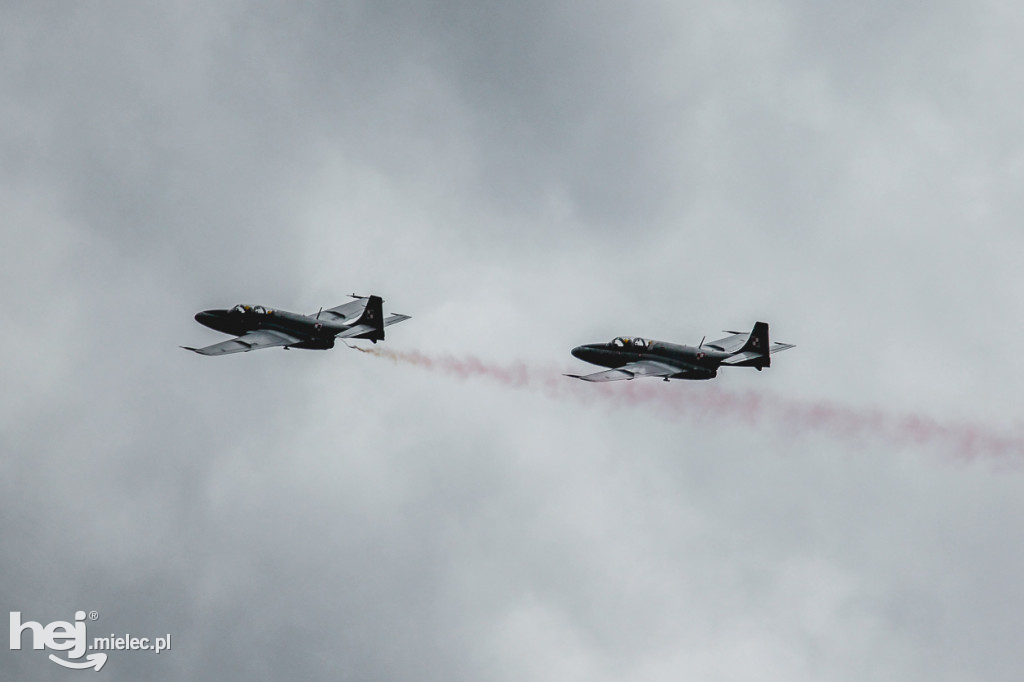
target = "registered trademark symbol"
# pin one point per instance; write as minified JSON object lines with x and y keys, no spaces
{"x":93,"y":615}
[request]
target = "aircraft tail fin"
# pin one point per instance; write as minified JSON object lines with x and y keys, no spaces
{"x":373,"y":313}
{"x":758,"y":345}
{"x":373,"y":316}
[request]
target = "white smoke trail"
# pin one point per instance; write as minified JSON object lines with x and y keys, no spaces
{"x":966,"y":441}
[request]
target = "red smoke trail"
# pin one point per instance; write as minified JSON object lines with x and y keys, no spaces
{"x":707,"y":403}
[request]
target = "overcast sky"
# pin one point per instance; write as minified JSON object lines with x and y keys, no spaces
{"x":520,"y":178}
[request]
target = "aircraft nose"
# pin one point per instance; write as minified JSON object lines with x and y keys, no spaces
{"x":581,"y":352}
{"x":207,"y":316}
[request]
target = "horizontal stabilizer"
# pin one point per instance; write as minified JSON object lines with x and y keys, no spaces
{"x":395,"y":319}
{"x":753,"y":357}
{"x":729,"y":344}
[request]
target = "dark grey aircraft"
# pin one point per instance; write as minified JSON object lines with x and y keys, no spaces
{"x":259,"y":327}
{"x":631,"y":357}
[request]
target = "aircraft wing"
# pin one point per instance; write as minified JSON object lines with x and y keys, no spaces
{"x":643,"y":368}
{"x":354,"y":331}
{"x":607,"y":375}
{"x":345,"y":312}
{"x":263,"y":338}
{"x":740,"y":358}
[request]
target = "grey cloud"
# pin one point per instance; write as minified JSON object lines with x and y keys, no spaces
{"x":520,"y":180}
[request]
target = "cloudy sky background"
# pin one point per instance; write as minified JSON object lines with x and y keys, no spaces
{"x":520,"y":179}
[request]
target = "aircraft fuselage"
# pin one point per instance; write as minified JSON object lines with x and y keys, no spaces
{"x":318,"y":334}
{"x":702,"y":363}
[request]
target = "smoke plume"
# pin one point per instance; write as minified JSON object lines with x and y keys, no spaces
{"x":704,"y":403}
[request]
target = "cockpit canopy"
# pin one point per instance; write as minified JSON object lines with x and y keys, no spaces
{"x":636,"y":343}
{"x":258,"y":309}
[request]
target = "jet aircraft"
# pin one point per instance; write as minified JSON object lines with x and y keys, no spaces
{"x":259,"y":327}
{"x":631,"y":357}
